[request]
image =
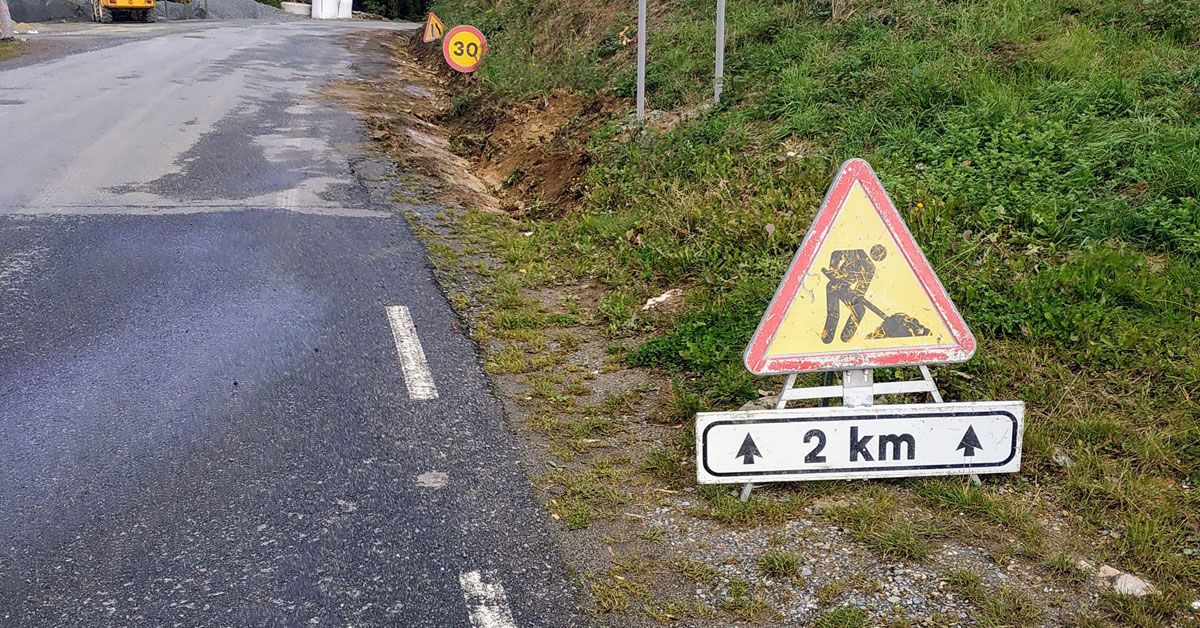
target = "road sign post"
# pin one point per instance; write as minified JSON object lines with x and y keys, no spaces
{"x":719,"y":79}
{"x":858,"y":295}
{"x":6,"y":23}
{"x":641,"y":61}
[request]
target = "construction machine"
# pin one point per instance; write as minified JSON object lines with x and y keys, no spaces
{"x":107,"y":11}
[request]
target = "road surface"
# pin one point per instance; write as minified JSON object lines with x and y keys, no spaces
{"x":230,"y":391}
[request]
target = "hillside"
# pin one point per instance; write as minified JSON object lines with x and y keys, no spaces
{"x":1042,"y":152}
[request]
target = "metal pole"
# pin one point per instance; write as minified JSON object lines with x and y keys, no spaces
{"x":641,"y":61}
{"x":6,"y":24}
{"x":719,"y":81}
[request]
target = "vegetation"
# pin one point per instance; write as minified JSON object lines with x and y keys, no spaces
{"x":1043,"y":153}
{"x":8,"y":49}
{"x":395,"y":9}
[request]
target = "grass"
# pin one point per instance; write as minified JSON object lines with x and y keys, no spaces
{"x":966,"y":583}
{"x":998,"y":608}
{"x":876,"y":519}
{"x":1042,"y":152}
{"x":780,"y":565}
{"x":843,"y":617}
{"x":746,"y":605}
{"x":9,"y":49}
{"x":1007,"y":607}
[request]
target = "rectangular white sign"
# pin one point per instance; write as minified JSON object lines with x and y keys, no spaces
{"x":886,"y":441}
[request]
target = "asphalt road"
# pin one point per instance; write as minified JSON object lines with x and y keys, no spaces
{"x":207,"y":416}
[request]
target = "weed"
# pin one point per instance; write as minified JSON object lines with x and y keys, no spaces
{"x":575,"y":513}
{"x":721,"y":504}
{"x":508,"y":360}
{"x":1143,"y":612}
{"x":459,"y":301}
{"x":1007,"y":607}
{"x":613,"y":594}
{"x":1066,"y":568}
{"x":875,"y":520}
{"x":744,"y":604}
{"x":698,"y":571}
{"x":843,"y":617}
{"x":9,"y":49}
{"x":653,"y":534}
{"x":829,"y":592}
{"x":908,"y":541}
{"x":966,"y":583}
{"x":676,"y":405}
{"x":592,"y":427}
{"x":780,"y":565}
{"x":667,"y":465}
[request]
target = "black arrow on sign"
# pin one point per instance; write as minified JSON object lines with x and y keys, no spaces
{"x":969,"y":442}
{"x":748,"y":450}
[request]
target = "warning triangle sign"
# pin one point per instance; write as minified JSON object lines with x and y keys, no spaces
{"x":434,"y":28}
{"x":859,"y":293}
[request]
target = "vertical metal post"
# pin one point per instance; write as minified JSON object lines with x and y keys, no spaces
{"x":6,"y":23}
{"x":641,"y":61}
{"x":719,"y":80}
{"x":858,"y":388}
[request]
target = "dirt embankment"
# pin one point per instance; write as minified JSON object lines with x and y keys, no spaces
{"x":523,"y":159}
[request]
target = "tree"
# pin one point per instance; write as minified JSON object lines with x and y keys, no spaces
{"x":396,"y":9}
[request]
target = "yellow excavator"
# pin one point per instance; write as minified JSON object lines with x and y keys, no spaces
{"x":108,"y":11}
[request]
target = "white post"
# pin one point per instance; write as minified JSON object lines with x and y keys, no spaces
{"x":641,"y":61}
{"x":719,"y":81}
{"x":6,"y":24}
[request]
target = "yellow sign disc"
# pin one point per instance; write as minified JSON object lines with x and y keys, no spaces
{"x":463,"y":48}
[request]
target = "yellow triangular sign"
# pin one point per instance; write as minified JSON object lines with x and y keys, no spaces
{"x":434,"y":28}
{"x":859,"y":293}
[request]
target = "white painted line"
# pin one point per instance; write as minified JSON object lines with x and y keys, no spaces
{"x":486,"y":602}
{"x":417,"y":376}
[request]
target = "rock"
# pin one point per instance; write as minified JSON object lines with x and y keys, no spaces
{"x":1085,"y":566}
{"x":762,"y":403}
{"x":666,"y":297}
{"x":1196,"y":605}
{"x":1107,"y":572}
{"x":1129,"y":584}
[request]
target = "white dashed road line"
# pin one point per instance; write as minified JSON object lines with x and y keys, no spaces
{"x":486,"y":602}
{"x":417,"y":375}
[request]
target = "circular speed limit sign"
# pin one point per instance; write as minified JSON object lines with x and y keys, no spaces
{"x":464,"y":47}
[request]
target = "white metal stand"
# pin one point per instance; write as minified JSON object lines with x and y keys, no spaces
{"x":858,"y":389}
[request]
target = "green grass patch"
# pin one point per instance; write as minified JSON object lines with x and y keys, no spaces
{"x":9,"y":49}
{"x":781,"y":565}
{"x":843,"y":617}
{"x":876,"y":520}
{"x":722,"y":504}
{"x":1042,"y":153}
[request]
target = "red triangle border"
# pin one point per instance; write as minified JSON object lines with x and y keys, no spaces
{"x":851,"y":172}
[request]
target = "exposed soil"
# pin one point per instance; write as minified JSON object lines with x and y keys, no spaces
{"x":401,"y":102}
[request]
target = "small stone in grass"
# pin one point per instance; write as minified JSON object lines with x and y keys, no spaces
{"x":1129,"y":584}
